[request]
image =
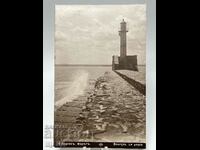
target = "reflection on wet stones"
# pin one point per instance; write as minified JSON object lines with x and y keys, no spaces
{"x":113,"y":107}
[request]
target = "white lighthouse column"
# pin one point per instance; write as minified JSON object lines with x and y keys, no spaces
{"x":122,"y":34}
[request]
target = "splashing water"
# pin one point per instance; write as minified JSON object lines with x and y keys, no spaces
{"x":76,"y":88}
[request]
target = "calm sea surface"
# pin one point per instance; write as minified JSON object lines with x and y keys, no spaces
{"x":68,"y":73}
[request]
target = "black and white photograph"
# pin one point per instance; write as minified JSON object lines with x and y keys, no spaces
{"x":100,"y":74}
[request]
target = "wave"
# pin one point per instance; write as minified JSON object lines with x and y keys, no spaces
{"x":76,"y":88}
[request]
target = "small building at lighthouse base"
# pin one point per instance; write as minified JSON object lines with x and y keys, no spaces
{"x":126,"y":63}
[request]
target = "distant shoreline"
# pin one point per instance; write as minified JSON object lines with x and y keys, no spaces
{"x":86,"y":65}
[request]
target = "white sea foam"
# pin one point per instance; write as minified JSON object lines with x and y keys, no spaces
{"x":76,"y":88}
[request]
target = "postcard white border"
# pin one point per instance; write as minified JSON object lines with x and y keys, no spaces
{"x":48,"y":63}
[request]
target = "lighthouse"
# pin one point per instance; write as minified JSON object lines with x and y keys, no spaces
{"x":124,"y":61}
{"x":122,"y":34}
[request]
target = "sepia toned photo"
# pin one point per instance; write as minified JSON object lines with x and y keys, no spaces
{"x":100,"y":76}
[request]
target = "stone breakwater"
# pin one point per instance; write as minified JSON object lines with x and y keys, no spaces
{"x":140,"y":86}
{"x":111,"y":111}
{"x":138,"y":76}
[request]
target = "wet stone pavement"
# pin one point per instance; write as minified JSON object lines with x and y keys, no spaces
{"x":111,"y":111}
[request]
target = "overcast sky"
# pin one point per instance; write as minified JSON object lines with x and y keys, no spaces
{"x":88,"y":34}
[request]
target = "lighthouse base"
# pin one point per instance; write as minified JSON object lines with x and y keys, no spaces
{"x":125,"y":63}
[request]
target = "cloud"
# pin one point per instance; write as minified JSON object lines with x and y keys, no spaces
{"x":89,"y":33}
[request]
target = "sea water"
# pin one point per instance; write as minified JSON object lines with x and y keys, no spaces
{"x":71,"y":81}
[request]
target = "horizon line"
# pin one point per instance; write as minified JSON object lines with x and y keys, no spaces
{"x":90,"y":64}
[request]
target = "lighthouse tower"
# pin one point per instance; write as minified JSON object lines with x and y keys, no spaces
{"x":122,"y":34}
{"x":124,"y":61}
